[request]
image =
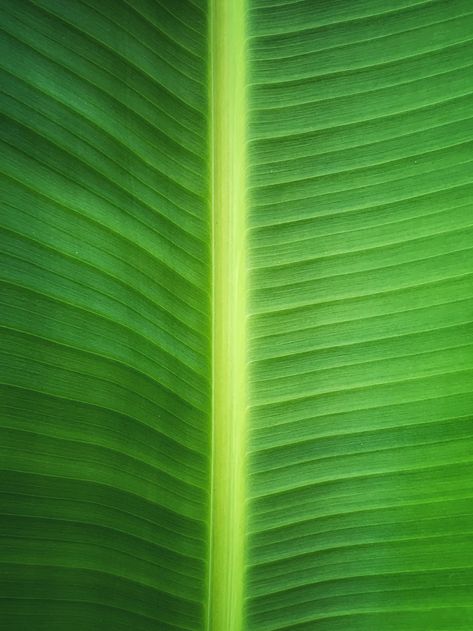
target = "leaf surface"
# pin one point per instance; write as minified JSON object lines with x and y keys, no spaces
{"x":237,"y":296}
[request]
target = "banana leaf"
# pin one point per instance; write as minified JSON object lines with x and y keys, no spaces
{"x":236,"y":309}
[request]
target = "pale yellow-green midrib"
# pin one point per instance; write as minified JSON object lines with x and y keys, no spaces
{"x":228,"y":142}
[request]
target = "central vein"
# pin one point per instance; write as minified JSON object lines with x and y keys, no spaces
{"x":228,"y":140}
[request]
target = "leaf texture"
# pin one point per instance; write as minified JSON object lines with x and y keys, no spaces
{"x":361,"y":341}
{"x":105,"y":309}
{"x":352,"y":165}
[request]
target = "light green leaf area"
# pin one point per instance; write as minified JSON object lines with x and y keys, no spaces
{"x":360,"y":439}
{"x":236,"y":308}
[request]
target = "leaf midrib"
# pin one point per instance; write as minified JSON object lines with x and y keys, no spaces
{"x":228,"y":136}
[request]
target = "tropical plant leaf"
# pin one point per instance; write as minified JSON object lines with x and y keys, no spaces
{"x":237,"y":300}
{"x":106,"y":285}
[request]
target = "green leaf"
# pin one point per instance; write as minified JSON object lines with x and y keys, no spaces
{"x":237,"y":304}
